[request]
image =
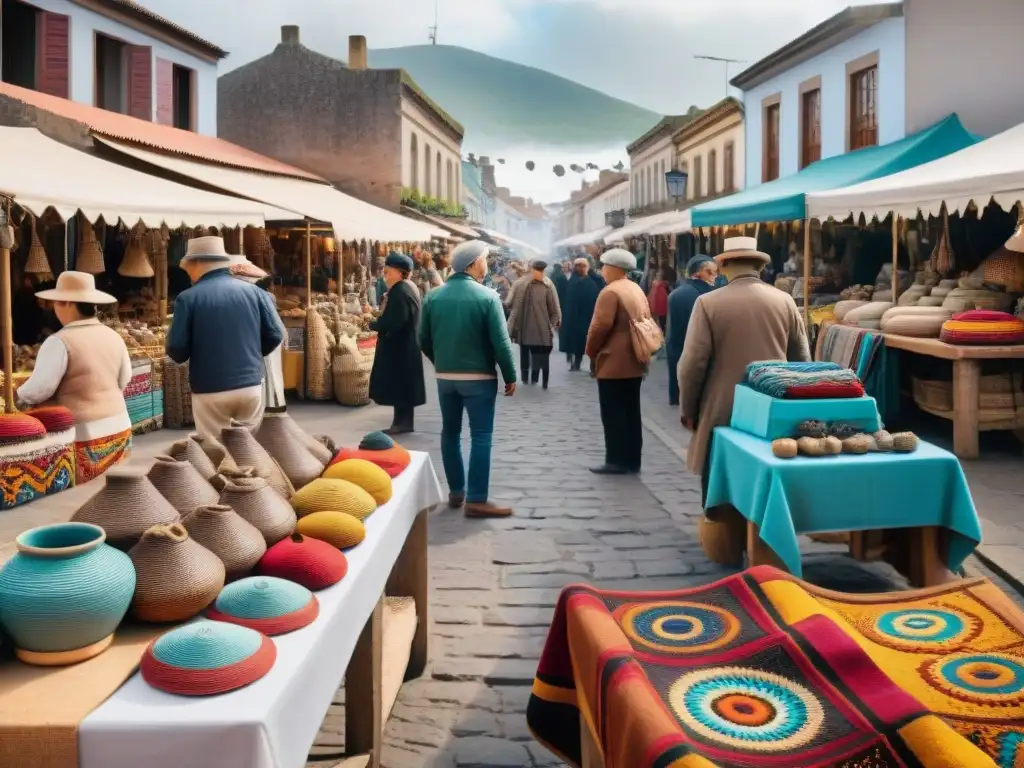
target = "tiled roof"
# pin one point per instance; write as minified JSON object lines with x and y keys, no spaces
{"x":131,"y":8}
{"x":160,"y":137}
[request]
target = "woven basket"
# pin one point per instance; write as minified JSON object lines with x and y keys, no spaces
{"x":295,"y":460}
{"x":997,"y":392}
{"x":927,"y":326}
{"x":310,"y":562}
{"x":126,"y":507}
{"x":352,"y":377}
{"x":334,"y":496}
{"x":336,"y":528}
{"x":318,"y":358}
{"x":871,"y":311}
{"x":176,"y":577}
{"x":237,"y":542}
{"x":247,"y":452}
{"x":1006,"y":268}
{"x":191,"y":451}
{"x":255,"y":501}
{"x":321,"y":452}
{"x":177,"y":396}
{"x":267,"y":604}
{"x":845,"y":307}
{"x":181,"y":484}
{"x":367,"y":475}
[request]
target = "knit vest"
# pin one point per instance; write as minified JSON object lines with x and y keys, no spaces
{"x":90,"y":388}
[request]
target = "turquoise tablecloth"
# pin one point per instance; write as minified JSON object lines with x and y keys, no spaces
{"x":787,"y":497}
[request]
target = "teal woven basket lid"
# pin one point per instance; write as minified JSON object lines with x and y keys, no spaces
{"x":206,"y":645}
{"x":262,"y":597}
{"x":376,"y":441}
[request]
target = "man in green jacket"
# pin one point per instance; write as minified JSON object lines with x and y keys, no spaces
{"x":463,"y":333}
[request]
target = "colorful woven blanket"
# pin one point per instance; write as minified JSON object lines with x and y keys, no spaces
{"x":803,"y":380}
{"x":761,"y":669}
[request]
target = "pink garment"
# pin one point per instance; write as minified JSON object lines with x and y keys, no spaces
{"x":658,"y":298}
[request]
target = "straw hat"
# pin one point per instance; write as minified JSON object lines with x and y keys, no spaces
{"x":77,"y":287}
{"x":742,"y":248}
{"x":208,"y":248}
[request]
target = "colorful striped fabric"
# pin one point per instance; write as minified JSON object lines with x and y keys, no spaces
{"x":803,"y":380}
{"x":761,"y":669}
{"x":94,"y":457}
{"x":973,"y":331}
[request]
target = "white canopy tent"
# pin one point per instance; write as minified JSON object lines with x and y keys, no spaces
{"x":510,"y":241}
{"x":637,"y":227}
{"x":351,"y":218}
{"x":990,"y":169}
{"x":584,"y":238}
{"x":41,"y":173}
{"x":679,"y":223}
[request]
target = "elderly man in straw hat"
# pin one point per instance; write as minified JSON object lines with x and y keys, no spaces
{"x":224,"y":328}
{"x":463,"y":333}
{"x":743,"y":322}
{"x":84,"y":367}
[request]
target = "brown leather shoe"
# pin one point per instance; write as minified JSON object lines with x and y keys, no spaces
{"x":456,"y":500}
{"x":486,"y":509}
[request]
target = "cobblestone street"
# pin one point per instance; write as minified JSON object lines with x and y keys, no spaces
{"x":495,"y":583}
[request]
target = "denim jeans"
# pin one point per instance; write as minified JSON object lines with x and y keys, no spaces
{"x":477,"y":398}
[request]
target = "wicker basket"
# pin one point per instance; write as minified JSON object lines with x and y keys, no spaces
{"x":999,"y":395}
{"x":177,"y":395}
{"x":1006,"y":268}
{"x":255,"y":501}
{"x":318,"y":358}
{"x":352,"y":377}
{"x":236,"y":541}
{"x":181,"y":484}
{"x":247,"y":452}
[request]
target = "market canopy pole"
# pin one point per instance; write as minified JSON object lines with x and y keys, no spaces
{"x":895,"y":250}
{"x":309,"y":267}
{"x":6,"y":241}
{"x":807,"y":275}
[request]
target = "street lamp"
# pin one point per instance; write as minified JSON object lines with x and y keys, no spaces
{"x":675,"y":180}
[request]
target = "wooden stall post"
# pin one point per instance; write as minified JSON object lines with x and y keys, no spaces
{"x":309,"y":266}
{"x":895,"y":252}
{"x":364,"y":716}
{"x":8,"y":338}
{"x":807,"y":275}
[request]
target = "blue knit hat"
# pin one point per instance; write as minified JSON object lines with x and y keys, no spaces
{"x":399,"y":261}
{"x":465,"y":254}
{"x":696,"y":264}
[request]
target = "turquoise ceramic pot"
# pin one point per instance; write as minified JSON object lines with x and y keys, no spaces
{"x":65,"y":589}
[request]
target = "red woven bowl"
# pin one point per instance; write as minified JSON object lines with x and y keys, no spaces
{"x":310,"y":562}
{"x":55,"y":418}
{"x":392,"y":460}
{"x":984,"y":316}
{"x":19,"y":426}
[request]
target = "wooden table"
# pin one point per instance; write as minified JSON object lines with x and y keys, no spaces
{"x":966,"y":385}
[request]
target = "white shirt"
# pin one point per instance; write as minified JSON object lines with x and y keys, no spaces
{"x":51,"y":365}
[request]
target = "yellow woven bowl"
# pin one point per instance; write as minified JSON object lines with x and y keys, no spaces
{"x":367,"y":475}
{"x":336,"y":528}
{"x":324,"y":495}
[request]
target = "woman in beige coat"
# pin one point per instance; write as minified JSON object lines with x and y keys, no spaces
{"x":743,"y":322}
{"x":533,"y":302}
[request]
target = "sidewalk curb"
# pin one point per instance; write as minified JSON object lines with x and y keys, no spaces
{"x":664,"y":437}
{"x":1012,"y":581}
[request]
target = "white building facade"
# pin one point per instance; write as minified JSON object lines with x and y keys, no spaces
{"x":614,"y":198}
{"x":112,"y":54}
{"x":875,"y":74}
{"x":431,"y":155}
{"x":710,"y":150}
{"x":650,"y":157}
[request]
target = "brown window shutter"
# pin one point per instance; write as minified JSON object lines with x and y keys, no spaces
{"x":164,"y":92}
{"x":140,"y":82}
{"x":53,"y":50}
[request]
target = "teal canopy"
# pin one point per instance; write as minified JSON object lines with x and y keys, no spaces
{"x":784,"y":199}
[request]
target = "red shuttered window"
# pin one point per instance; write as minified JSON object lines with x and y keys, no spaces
{"x":140,"y":82}
{"x":164,"y":92}
{"x":53,"y":53}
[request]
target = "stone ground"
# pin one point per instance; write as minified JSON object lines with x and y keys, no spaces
{"x":494,"y":583}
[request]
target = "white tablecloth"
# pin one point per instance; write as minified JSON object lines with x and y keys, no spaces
{"x":272,"y":723}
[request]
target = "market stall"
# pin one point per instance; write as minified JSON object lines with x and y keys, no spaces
{"x":592,"y":237}
{"x":646,"y":225}
{"x":973,"y":197}
{"x":247,"y":678}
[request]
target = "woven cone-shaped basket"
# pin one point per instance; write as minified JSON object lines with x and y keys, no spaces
{"x":225,"y":477}
{"x":135,"y":262}
{"x":334,"y":496}
{"x":246,"y":452}
{"x":320,"y":452}
{"x":37,"y":263}
{"x":319,"y":384}
{"x":294,"y":458}
{"x":191,"y":451}
{"x":181,"y":484}
{"x":127,"y":506}
{"x":254,"y":500}
{"x":176,"y":577}
{"x":90,"y":257}
{"x":217,"y":453}
{"x":237,"y":542}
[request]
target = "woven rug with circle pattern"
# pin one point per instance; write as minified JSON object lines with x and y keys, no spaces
{"x":763,"y":669}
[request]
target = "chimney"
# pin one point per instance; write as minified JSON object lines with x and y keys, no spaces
{"x":487,"y":176}
{"x":290,"y":34}
{"x":356,"y":52}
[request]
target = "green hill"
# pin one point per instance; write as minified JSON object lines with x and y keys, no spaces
{"x":499,"y":101}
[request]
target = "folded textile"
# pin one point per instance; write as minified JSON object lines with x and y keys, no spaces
{"x":761,"y":669}
{"x":803,"y":380}
{"x":983,"y":331}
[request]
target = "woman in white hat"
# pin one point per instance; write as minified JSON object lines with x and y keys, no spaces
{"x":84,"y":367}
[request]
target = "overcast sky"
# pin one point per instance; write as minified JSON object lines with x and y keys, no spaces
{"x":638,"y":50}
